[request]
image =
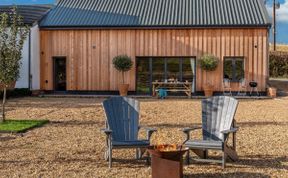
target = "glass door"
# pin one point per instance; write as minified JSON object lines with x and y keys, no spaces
{"x":173,"y":69}
{"x":158,"y":69}
{"x":59,"y":73}
{"x":143,"y":76}
{"x":163,"y":69}
{"x":188,"y":71}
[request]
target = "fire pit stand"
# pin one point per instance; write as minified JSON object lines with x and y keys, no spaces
{"x":167,"y":164}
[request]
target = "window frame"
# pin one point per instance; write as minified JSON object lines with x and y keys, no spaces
{"x":150,"y":59}
{"x":234,"y":59}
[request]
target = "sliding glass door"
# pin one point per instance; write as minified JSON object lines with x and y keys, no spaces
{"x":173,"y":69}
{"x":163,"y":69}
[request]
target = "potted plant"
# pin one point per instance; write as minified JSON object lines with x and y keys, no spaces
{"x":123,"y":63}
{"x":208,"y":63}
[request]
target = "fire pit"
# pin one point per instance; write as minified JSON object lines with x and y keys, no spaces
{"x":167,"y":160}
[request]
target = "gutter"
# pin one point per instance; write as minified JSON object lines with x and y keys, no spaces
{"x":29,"y":63}
{"x":86,"y":27}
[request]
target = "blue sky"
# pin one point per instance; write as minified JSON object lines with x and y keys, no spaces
{"x":282,"y":15}
{"x":282,"y":20}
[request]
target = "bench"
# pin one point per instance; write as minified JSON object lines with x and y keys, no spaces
{"x":185,"y":87}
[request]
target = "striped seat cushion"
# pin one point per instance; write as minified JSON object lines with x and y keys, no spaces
{"x":207,"y":144}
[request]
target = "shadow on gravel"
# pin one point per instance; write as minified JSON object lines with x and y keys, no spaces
{"x":264,"y":161}
{"x":224,"y":175}
{"x":75,"y":123}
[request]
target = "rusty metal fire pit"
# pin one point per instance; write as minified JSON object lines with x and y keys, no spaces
{"x":167,"y":161}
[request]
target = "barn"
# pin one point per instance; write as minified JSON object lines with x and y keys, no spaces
{"x":164,"y":38}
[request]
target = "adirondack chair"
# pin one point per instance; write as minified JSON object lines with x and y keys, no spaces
{"x":242,"y":87}
{"x":122,"y":126}
{"x":227,"y":87}
{"x":217,"y":124}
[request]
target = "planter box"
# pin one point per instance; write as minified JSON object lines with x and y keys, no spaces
{"x":272,"y":92}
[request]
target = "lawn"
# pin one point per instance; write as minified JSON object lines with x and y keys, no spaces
{"x":72,"y":145}
{"x":17,"y":126}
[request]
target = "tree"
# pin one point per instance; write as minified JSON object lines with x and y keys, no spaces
{"x":122,"y":63}
{"x":12,"y":36}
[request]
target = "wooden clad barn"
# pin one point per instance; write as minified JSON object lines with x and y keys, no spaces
{"x":165,"y":38}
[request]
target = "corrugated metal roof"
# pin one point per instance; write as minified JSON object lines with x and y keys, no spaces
{"x":156,"y":13}
{"x":30,"y":13}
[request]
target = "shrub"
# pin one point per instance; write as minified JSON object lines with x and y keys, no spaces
{"x":208,"y":62}
{"x":17,"y":92}
{"x":278,"y":65}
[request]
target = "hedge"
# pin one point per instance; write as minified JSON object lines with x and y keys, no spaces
{"x":17,"y":92}
{"x":278,"y":65}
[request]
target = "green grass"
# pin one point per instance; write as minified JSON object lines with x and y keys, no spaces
{"x":20,"y":126}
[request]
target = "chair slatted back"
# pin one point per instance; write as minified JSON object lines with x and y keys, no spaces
{"x":122,"y":117}
{"x":217,"y":115}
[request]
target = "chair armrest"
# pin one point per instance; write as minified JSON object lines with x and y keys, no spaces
{"x":148,"y":129}
{"x":107,"y":131}
{"x":189,"y":129}
{"x":232,"y":130}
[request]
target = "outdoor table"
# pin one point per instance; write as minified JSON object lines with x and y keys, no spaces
{"x":185,"y":87}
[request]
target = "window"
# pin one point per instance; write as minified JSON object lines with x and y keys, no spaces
{"x":151,"y":69}
{"x":234,"y":68}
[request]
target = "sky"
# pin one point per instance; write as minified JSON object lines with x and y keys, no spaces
{"x":282,"y":20}
{"x":281,"y":15}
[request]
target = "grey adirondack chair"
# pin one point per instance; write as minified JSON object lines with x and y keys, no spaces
{"x":217,"y":124}
{"x":122,"y":126}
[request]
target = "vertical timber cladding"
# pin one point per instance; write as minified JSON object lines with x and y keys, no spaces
{"x":89,"y":54}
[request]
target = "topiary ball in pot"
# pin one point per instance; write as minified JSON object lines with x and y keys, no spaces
{"x":208,"y":62}
{"x":123,"y":63}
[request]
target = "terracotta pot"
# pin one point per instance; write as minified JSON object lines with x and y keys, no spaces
{"x":208,"y":90}
{"x":123,"y":89}
{"x":272,"y":92}
{"x":10,"y":87}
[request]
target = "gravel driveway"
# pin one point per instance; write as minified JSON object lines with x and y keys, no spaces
{"x":71,"y":145}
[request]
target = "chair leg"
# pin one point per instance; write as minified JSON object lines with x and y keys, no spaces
{"x":223,"y":159}
{"x":110,"y":158}
{"x":106,"y":155}
{"x":138,"y":153}
{"x":148,"y":159}
{"x":188,"y":157}
{"x":205,"y":152}
{"x":110,"y":152}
